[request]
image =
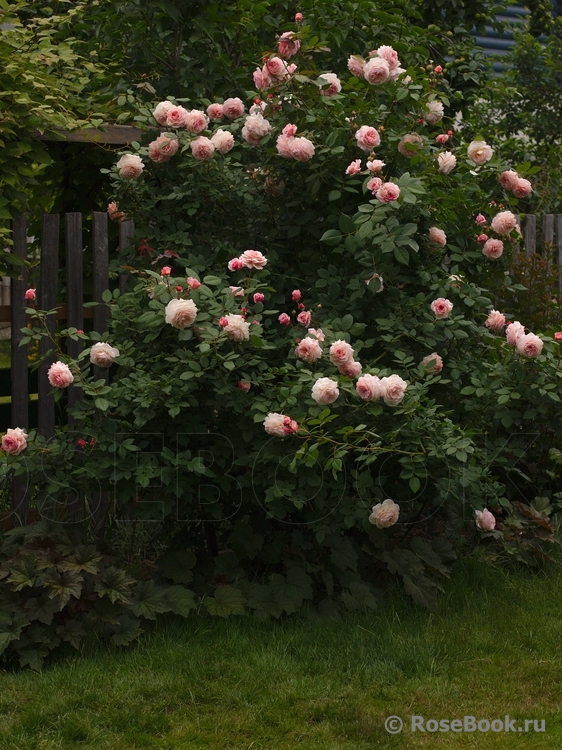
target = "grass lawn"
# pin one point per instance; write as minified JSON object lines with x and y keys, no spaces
{"x":489,"y":649}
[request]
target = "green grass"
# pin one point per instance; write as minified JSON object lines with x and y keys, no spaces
{"x":489,"y":649}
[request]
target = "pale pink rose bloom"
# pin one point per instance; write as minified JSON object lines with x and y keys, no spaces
{"x":374,"y":184}
{"x":351,"y":369}
{"x":262,"y":79}
{"x":180,"y":313}
{"x":235,"y":264}
{"x":388,"y":192}
{"x":529,"y":345}
{"x":102,"y":354}
{"x":558,"y":336}
{"x":376,"y":165}
{"x":304,"y":318}
{"x":233,"y":108}
{"x":447,"y":162}
{"x":289,"y":131}
{"x":390,"y":55}
{"x":166,"y":270}
{"x":334,"y":87}
{"x":284,"y":146}
{"x":30,"y":294}
{"x":513,"y":332}
{"x":367,"y":138}
{"x":299,"y":17}
{"x":410,"y":144}
{"x":222,"y":140}
{"x":276,"y":67}
{"x":318,"y":332}
{"x":441,"y":307}
{"x":202,"y":148}
{"x":308,"y":350}
{"x":508,"y":179}
{"x":480,"y":220}
{"x":482,"y":238}
{"x":397,"y":72}
{"x":495,"y":320}
{"x":356,"y":65}
{"x":325,"y":391}
{"x":273,"y":424}
{"x":296,"y":295}
{"x":257,"y":108}
{"x":485,"y":520}
{"x":301,"y":149}
{"x":160,"y":114}
{"x":385,"y":514}
{"x":288,"y":46}
{"x":435,"y":112}
{"x":237,"y":291}
{"x":479,"y":152}
{"x":255,"y":128}
{"x":14,"y":441}
{"x":522,"y":188}
{"x":340,"y":353}
{"x":284,"y":319}
{"x":493,"y":249}
{"x":215,"y":111}
{"x":237,"y":328}
{"x":369,"y":387}
{"x":130,"y":166}
{"x":504,"y":222}
{"x":354,"y":167}
{"x":394,"y":389}
{"x":441,"y":138}
{"x":292,"y":68}
{"x":193,"y":283}
{"x":59,"y":375}
{"x":290,"y":426}
{"x":196,"y":121}
{"x":376,"y":71}
{"x":435,"y":361}
{"x":258,"y":297}
{"x":114,"y":213}
{"x":163,"y":148}
{"x":176,"y":117}
{"x":244,"y":385}
{"x":253,"y":259}
{"x":438,"y":236}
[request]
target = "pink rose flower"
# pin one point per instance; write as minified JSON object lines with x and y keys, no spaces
{"x":340,"y":353}
{"x":385,"y":514}
{"x":479,"y":152}
{"x":367,"y":138}
{"x":369,"y":387}
{"x":163,"y":148}
{"x":233,"y":108}
{"x":304,"y":318}
{"x":102,"y":354}
{"x":447,"y":162}
{"x":438,"y":236}
{"x":193,"y":283}
{"x":485,"y":520}
{"x":277,"y":424}
{"x":435,"y":112}
{"x":508,"y":179}
{"x":354,"y":167}
{"x":30,"y":294}
{"x":262,"y":78}
{"x":334,"y":87}
{"x":237,"y":291}
{"x":529,"y":345}
{"x":160,"y":114}
{"x":166,"y":271}
{"x":433,"y":363}
{"x":504,"y":222}
{"x":388,"y":192}
{"x":351,"y":369}
{"x":411,"y":144}
{"x":318,"y":332}
{"x":394,"y":389}
{"x":176,"y":117}
{"x":289,"y":131}
{"x":202,"y":148}
{"x":296,"y":295}
{"x":325,"y":391}
{"x":480,"y":220}
{"x":253,"y":259}
{"x":374,"y":184}
{"x":482,"y":238}
{"x":59,"y":375}
{"x":376,"y":71}
{"x":390,"y":55}
{"x":376,"y":165}
{"x":513,"y":332}
{"x":495,"y":320}
{"x":114,"y":213}
{"x":442,"y":138}
{"x":180,"y":313}
{"x":130,"y":166}
{"x":441,"y":307}
{"x":258,"y":297}
{"x":215,"y":111}
{"x":522,"y":188}
{"x":196,"y":121}
{"x":235,"y":264}
{"x":308,"y":350}
{"x":558,"y":336}
{"x":276,"y":67}
{"x":301,"y":149}
{"x":438,"y":69}
{"x":14,"y":441}
{"x":284,"y":319}
{"x":288,"y":46}
{"x":284,"y":146}
{"x":298,"y":17}
{"x":356,"y":65}
{"x":255,"y":128}
{"x":236,"y":328}
{"x":223,"y":141}
{"x":244,"y":385}
{"x":493,"y":249}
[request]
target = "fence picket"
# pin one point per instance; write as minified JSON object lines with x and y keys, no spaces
{"x":48,"y":301}
{"x":74,"y":294}
{"x":530,"y":235}
{"x":126,"y":231}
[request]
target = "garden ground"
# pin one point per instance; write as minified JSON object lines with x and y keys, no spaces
{"x":489,"y":649}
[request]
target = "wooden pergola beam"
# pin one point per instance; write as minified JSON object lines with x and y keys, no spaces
{"x":111,"y":134}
